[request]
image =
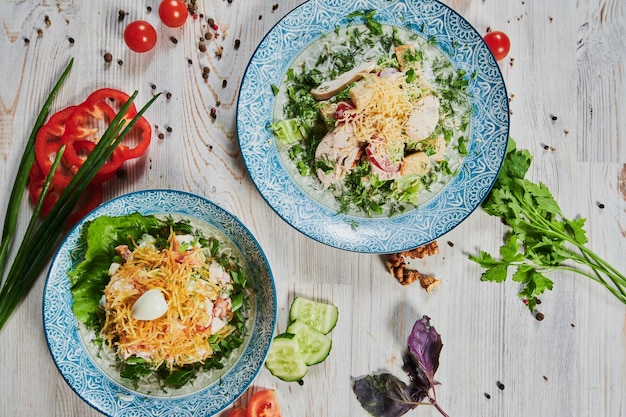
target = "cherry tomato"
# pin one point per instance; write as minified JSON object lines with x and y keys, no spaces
{"x":173,"y":13}
{"x":499,"y":44}
{"x":238,"y":412}
{"x":140,"y":36}
{"x":264,"y":403}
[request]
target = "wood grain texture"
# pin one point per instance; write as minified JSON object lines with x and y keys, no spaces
{"x":567,"y":87}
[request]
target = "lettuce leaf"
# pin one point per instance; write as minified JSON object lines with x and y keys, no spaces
{"x":91,"y":275}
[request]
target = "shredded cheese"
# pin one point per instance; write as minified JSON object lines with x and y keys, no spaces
{"x":383,"y":106}
{"x":195,"y":295}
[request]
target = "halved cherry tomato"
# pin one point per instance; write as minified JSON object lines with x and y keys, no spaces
{"x":173,"y":13}
{"x":140,"y":36}
{"x":238,"y":412}
{"x":499,"y":44}
{"x":264,"y":403}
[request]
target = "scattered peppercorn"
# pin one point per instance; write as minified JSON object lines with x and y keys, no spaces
{"x":260,"y":16}
{"x":237,"y":43}
{"x":169,"y":129}
{"x":189,"y":61}
{"x":70,"y":40}
{"x":161,"y":135}
{"x":274,"y":6}
{"x":46,"y":20}
{"x":450,"y":244}
{"x":120,"y":62}
{"x":211,"y":21}
{"x":224,"y":83}
{"x":206,"y":70}
{"x":553,"y":117}
{"x":546,"y":147}
{"x":202,"y":47}
{"x":487,"y":396}
{"x":539,"y":316}
{"x":301,"y":382}
{"x":168,"y":95}
{"x":121,"y":15}
{"x":108,"y":57}
{"x":500,"y":385}
{"x":153,"y":86}
{"x":26,"y":40}
{"x":545,"y":378}
{"x":600,"y":205}
{"x":39,"y":33}
{"x":174,"y":40}
{"x":230,"y":1}
{"x":149,"y":9}
{"x":208,"y":36}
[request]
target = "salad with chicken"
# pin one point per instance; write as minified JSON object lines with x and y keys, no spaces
{"x":162,"y":298}
{"x":374,"y":116}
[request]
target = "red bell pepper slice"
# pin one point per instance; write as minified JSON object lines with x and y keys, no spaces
{"x":91,"y":199}
{"x":47,"y":145}
{"x":83,"y":126}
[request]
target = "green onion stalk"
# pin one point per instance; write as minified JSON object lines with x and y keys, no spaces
{"x":40,"y":238}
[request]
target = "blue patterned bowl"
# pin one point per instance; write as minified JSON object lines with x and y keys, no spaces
{"x":489,"y":125}
{"x":89,"y":374}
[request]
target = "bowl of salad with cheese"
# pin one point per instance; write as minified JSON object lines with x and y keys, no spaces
{"x":379,"y":127}
{"x":159,"y":300}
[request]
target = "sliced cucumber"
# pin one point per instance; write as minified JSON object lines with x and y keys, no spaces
{"x":320,"y":316}
{"x":314,"y":346}
{"x":284,"y":360}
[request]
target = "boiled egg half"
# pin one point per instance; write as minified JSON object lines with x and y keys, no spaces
{"x":150,"y":306}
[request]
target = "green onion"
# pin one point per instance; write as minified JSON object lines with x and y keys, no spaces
{"x":40,"y":239}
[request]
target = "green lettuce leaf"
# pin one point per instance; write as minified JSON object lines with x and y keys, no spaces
{"x":91,"y":275}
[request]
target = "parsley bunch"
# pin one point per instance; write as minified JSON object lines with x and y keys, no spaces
{"x":541,"y":239}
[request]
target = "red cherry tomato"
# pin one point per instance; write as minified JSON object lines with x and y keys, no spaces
{"x":264,"y":404}
{"x":499,"y":44}
{"x":140,"y":36}
{"x":173,"y":13}
{"x":238,"y":412}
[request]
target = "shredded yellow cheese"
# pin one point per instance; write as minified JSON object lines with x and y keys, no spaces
{"x":383,"y":106}
{"x":192,"y":290}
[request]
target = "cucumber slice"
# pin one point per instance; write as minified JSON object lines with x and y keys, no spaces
{"x":314,"y":346}
{"x":284,"y":360}
{"x":319,"y":316}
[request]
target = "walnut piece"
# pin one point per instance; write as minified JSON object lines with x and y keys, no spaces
{"x":405,"y":276}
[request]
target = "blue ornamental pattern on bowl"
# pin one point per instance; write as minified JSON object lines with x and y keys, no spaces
{"x":489,"y":125}
{"x":80,"y":368}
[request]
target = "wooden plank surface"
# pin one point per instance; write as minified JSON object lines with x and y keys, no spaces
{"x":566,"y":80}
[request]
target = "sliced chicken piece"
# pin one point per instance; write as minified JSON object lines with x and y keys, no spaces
{"x":341,"y":150}
{"x":327,"y":89}
{"x":424,"y":118}
{"x":415,"y":163}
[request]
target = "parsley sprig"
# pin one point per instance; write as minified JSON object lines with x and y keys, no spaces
{"x":541,"y":239}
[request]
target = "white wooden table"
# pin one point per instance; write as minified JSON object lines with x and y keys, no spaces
{"x":567,"y":83}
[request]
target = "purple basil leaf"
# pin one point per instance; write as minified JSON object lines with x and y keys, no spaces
{"x":425,"y":346}
{"x":420,"y":385}
{"x":384,"y":395}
